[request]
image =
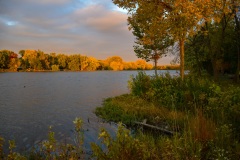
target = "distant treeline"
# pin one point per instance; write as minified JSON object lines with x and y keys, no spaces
{"x":36,"y":60}
{"x":168,"y":67}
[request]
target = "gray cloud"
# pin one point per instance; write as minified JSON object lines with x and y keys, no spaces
{"x":94,"y":27}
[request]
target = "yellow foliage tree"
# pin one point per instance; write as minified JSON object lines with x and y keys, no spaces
{"x":180,"y":18}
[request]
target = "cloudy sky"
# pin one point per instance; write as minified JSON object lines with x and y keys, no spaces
{"x":95,"y":28}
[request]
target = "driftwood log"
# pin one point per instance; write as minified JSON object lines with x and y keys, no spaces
{"x":155,"y":127}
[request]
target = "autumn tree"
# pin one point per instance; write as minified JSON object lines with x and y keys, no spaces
{"x":74,"y":62}
{"x":92,"y":64}
{"x":28,"y":58}
{"x":63,"y":61}
{"x":102,"y":65}
{"x":44,"y":60}
{"x":34,"y":59}
{"x":152,"y":39}
{"x":8,"y":60}
{"x":115,"y":63}
{"x":180,"y":18}
{"x":14,"y":62}
{"x":53,"y":60}
{"x":130,"y":66}
{"x":24,"y":62}
{"x":141,"y":64}
{"x":84,"y":62}
{"x":4,"y":59}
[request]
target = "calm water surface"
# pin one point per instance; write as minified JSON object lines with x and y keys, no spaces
{"x":32,"y":101}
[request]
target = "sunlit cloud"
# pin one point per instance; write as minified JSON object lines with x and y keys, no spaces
{"x":96,"y":28}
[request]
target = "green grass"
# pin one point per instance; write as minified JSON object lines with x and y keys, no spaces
{"x":204,"y":114}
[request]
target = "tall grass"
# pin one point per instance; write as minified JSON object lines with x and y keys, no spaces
{"x":204,"y":116}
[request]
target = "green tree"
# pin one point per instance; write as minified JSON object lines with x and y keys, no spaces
{"x":214,"y":48}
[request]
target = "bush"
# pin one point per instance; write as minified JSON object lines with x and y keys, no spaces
{"x":213,"y":110}
{"x":140,"y":84}
{"x":124,"y":146}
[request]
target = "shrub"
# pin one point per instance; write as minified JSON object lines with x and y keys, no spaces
{"x":140,"y":84}
{"x":124,"y":146}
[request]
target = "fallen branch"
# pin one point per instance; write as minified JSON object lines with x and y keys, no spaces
{"x":155,"y":127}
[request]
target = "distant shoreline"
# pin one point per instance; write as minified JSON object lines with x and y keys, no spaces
{"x":6,"y":70}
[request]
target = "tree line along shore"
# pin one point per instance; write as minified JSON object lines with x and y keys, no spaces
{"x":36,"y":60}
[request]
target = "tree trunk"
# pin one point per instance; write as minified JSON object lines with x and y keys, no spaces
{"x":181,"y":44}
{"x":215,"y":69}
{"x":238,"y":66}
{"x":238,"y":45}
{"x":155,"y":63}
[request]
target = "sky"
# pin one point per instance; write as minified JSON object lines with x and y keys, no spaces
{"x":96,"y":28}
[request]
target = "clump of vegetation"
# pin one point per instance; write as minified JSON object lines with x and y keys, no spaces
{"x":203,"y":114}
{"x":123,"y":146}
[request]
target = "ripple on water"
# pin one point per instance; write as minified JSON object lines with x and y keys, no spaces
{"x":31,"y":102}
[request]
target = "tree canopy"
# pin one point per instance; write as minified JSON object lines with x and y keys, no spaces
{"x":152,"y":39}
{"x":176,"y":19}
{"x":37,"y":60}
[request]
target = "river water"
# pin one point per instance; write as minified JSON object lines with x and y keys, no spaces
{"x":30,"y":102}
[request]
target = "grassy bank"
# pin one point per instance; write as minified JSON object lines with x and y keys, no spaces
{"x":204,"y":116}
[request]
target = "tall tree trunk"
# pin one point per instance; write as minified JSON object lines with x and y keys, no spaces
{"x":238,"y":66}
{"x":181,"y":44}
{"x":238,"y":44}
{"x":215,"y":69}
{"x":155,"y":63}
